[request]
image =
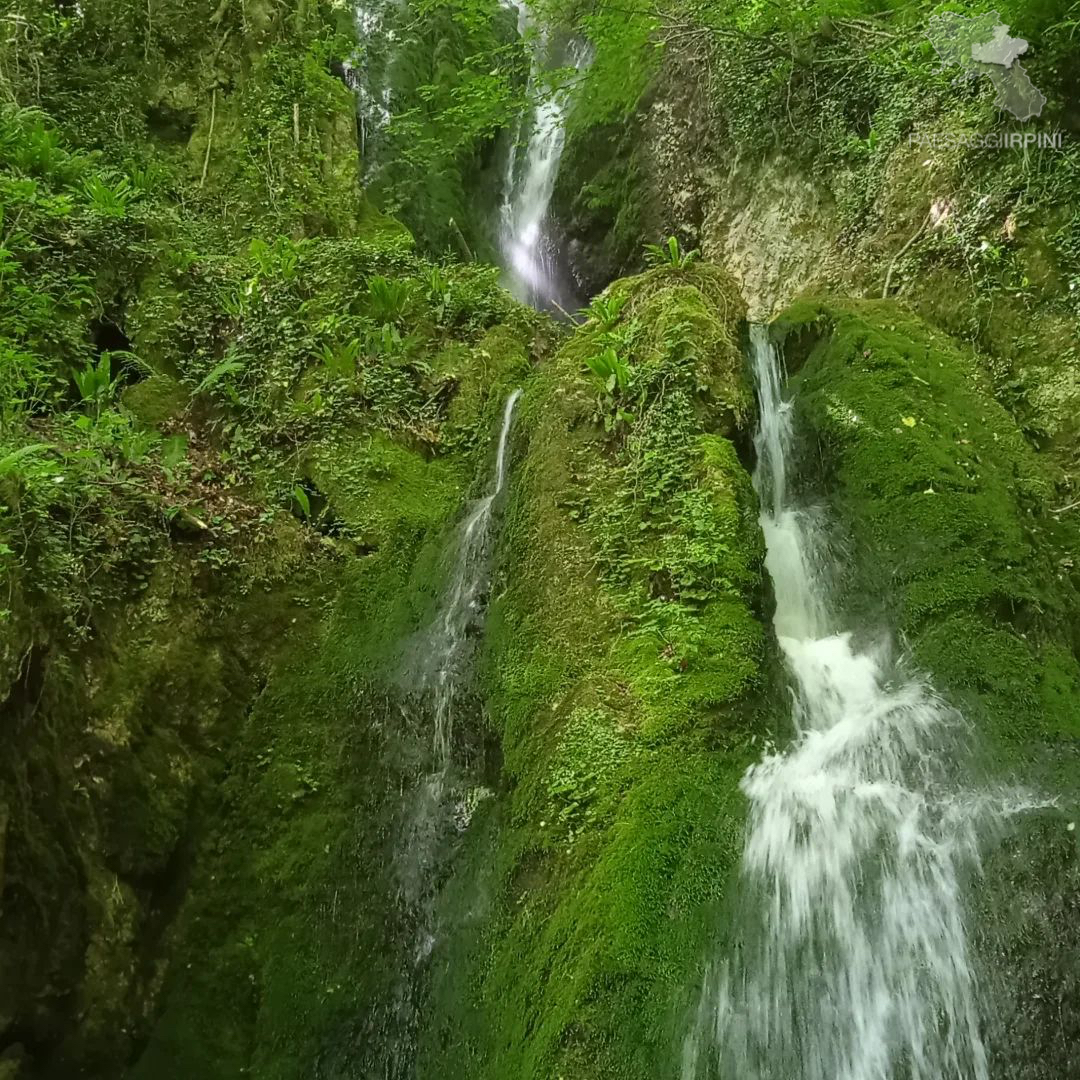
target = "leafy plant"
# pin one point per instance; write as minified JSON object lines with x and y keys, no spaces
{"x":111,"y":201}
{"x":173,"y":451}
{"x":438,"y":293}
{"x":387,"y":298}
{"x":611,"y":370}
{"x":384,"y":341}
{"x":669,"y":253}
{"x":340,"y":360}
{"x":217,"y":373}
{"x":95,"y":382}
{"x":10,"y":462}
{"x":616,"y":379}
{"x":605,"y":310}
{"x":303,"y":502}
{"x":279,"y":259}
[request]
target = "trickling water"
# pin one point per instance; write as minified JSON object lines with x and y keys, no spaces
{"x":438,"y":663}
{"x":438,"y":806}
{"x":529,"y":252}
{"x":854,"y":963}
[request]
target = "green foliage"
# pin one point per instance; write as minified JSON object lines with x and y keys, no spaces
{"x":669,"y":253}
{"x":616,"y":379}
{"x":10,"y":462}
{"x":109,"y":200}
{"x":95,"y":382}
{"x":612,"y":372}
{"x":340,"y":360}
{"x":605,"y":310}
{"x":217,"y":374}
{"x":386,"y":299}
{"x":302,"y":501}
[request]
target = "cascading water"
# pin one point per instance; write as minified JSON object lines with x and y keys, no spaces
{"x":368,"y":73}
{"x":853,"y":961}
{"x":529,"y":252}
{"x":439,"y":661}
{"x":436,"y":809}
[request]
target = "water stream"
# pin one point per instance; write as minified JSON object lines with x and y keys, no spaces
{"x":435,"y":687}
{"x":529,"y":249}
{"x":852,"y":961}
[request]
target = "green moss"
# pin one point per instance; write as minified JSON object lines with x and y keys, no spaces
{"x":156,"y":400}
{"x":624,"y":671}
{"x":950,"y":510}
{"x":383,"y":490}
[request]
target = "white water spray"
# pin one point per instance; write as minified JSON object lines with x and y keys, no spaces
{"x":854,"y":963}
{"x":530,"y":179}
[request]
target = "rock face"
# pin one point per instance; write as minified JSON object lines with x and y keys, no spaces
{"x":213,"y":564}
{"x":798,"y":185}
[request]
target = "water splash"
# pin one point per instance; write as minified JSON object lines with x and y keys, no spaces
{"x":853,"y":962}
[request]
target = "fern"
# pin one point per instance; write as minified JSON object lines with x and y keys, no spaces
{"x":216,"y":374}
{"x":9,"y":463}
{"x":669,"y":253}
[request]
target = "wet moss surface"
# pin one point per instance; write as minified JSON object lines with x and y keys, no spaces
{"x":624,"y":675}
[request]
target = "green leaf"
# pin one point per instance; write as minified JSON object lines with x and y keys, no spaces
{"x":8,"y":463}
{"x":226,"y":367}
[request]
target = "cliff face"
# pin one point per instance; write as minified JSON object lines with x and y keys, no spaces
{"x":839,"y":157}
{"x":242,"y":419}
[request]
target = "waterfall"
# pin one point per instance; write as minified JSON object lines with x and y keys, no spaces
{"x":368,"y":73}
{"x":439,"y":662}
{"x":852,"y":959}
{"x":529,"y":252}
{"x":437,"y":807}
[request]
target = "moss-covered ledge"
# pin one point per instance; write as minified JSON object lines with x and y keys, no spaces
{"x":624,"y":671}
{"x":952,"y":512}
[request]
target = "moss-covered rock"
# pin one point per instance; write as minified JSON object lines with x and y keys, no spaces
{"x":156,"y":400}
{"x":955,"y":542}
{"x":624,"y":668}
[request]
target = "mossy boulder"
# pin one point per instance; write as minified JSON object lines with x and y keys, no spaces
{"x":624,"y":671}
{"x":156,"y":400}
{"x":955,"y":543}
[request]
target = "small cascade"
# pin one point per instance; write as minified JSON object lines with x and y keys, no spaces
{"x":529,"y":251}
{"x":435,"y":682}
{"x":440,"y":660}
{"x":852,"y":961}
